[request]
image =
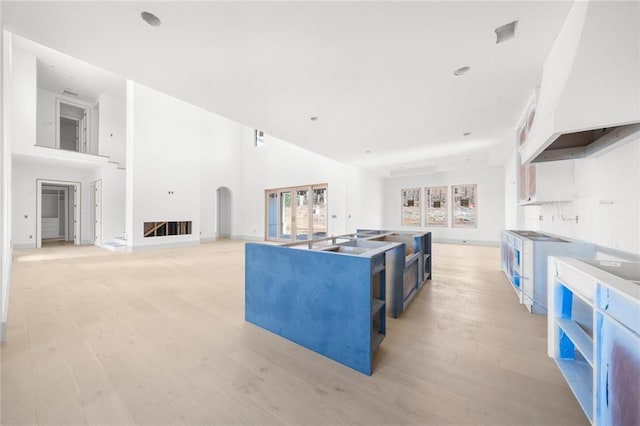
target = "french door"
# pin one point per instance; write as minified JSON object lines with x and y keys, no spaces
{"x":296,"y":214}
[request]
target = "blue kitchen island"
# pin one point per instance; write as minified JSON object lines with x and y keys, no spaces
{"x":327,"y":295}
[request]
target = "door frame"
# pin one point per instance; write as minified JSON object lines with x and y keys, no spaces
{"x":95,"y":194}
{"x":292,"y":190}
{"x":77,"y":214}
{"x":84,"y":137}
{"x":65,"y":190}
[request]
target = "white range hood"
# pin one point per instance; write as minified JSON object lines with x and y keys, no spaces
{"x":590,"y":91}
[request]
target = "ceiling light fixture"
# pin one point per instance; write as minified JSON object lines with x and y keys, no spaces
{"x":151,"y":19}
{"x":462,"y":70}
{"x":506,"y":32}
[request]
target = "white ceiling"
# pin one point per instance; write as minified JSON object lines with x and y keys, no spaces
{"x":379,"y":75}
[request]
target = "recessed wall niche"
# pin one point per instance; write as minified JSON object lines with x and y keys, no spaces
{"x":162,"y":229}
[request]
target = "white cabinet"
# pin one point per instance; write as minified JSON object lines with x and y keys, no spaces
{"x":543,"y":182}
{"x":546,"y":182}
{"x":594,"y":335}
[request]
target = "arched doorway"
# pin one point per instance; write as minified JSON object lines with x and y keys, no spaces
{"x":224,"y":212}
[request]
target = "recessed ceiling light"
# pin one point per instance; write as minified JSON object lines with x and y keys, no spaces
{"x":462,"y":70}
{"x":506,"y":32}
{"x":367,"y":152}
{"x":466,"y":133}
{"x":314,"y":118}
{"x":151,"y":19}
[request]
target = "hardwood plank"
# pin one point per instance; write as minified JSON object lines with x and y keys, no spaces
{"x":159,"y":337}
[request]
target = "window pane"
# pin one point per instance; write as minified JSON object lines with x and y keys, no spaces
{"x":272,"y":215}
{"x":302,"y":214}
{"x":285,"y":215}
{"x":319,"y":213}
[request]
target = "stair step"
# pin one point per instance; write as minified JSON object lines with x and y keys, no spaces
{"x":115,"y":246}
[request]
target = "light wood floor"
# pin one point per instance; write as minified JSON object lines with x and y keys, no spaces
{"x":159,"y":338}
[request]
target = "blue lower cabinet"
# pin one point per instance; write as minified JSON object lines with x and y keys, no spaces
{"x":594,"y":335}
{"x":618,"y":356}
{"x":408,"y":267}
{"x":330,"y":300}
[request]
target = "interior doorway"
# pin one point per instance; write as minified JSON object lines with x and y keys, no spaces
{"x":73,"y":126}
{"x":224,"y":212}
{"x":57,"y":212}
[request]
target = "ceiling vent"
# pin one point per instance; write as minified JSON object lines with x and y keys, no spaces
{"x":68,"y":92}
{"x":506,"y":32}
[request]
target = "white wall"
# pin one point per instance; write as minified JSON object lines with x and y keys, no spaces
{"x":113,"y":201}
{"x":607,"y":203}
{"x":25,"y":174}
{"x":164,"y":138}
{"x":511,"y":210}
{"x":112,"y":118}
{"x":45,"y":119}
{"x":279,"y":164}
{"x":230,"y":159}
{"x":365,"y":200}
{"x":491,"y":207}
{"x":220,"y":165}
{"x":23,"y":97}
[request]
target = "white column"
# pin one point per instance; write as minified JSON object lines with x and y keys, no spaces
{"x":5,"y":182}
{"x":129,"y":160}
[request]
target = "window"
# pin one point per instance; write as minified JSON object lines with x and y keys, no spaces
{"x":436,"y":201}
{"x":297,"y":213}
{"x":465,"y":204}
{"x":259,"y":138}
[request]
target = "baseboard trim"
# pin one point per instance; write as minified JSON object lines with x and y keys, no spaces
{"x":467,"y":242}
{"x":207,"y":240}
{"x":246,"y":238}
{"x":24,"y":246}
{"x":162,"y":246}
